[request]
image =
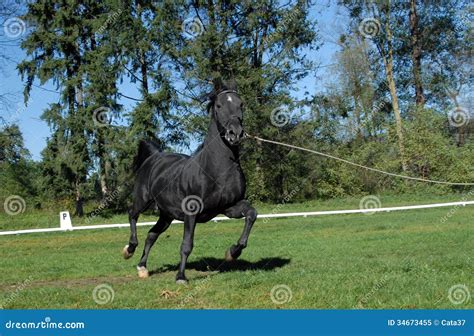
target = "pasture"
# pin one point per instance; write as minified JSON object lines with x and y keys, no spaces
{"x":406,"y":259}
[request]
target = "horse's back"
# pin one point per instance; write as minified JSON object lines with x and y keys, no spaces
{"x":150,"y":155}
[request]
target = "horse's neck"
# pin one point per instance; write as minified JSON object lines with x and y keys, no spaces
{"x":215,"y":151}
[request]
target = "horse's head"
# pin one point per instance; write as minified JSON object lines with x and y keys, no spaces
{"x":227,"y":110}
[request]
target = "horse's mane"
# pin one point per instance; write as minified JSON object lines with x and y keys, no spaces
{"x":146,"y":148}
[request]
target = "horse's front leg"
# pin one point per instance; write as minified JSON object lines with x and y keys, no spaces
{"x":157,"y":229}
{"x":241,"y":209}
{"x":186,"y":247}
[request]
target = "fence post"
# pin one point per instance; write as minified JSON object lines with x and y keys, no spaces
{"x":65,"y":221}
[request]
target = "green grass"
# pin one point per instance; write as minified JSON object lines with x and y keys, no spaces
{"x":407,"y":259}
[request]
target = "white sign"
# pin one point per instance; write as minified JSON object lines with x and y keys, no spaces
{"x":65,"y":221}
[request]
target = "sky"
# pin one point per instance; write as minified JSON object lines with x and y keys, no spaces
{"x":35,"y":131}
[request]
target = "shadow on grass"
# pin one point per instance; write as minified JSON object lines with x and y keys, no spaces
{"x":210,"y":264}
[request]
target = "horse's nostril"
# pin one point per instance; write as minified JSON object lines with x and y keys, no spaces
{"x":233,"y":135}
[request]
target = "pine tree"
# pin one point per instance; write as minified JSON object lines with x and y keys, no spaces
{"x":17,"y":170}
{"x":260,"y":45}
{"x":56,"y":50}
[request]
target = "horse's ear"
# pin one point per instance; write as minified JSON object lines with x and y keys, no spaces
{"x":209,"y":106}
{"x":218,"y":85}
{"x":231,"y":84}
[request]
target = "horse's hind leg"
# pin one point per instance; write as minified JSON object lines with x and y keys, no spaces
{"x":157,"y":229}
{"x":186,"y":247}
{"x":241,"y":209}
{"x":133,"y":214}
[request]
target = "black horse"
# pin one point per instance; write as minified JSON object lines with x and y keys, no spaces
{"x":194,"y":188}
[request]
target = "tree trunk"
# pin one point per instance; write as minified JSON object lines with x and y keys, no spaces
{"x":416,"y":54}
{"x":388,"y":62}
{"x":79,"y":201}
{"x":103,"y":182}
{"x":398,"y":118}
{"x":102,"y":163}
{"x":103,"y":160}
{"x":144,"y":71}
{"x":75,"y":94}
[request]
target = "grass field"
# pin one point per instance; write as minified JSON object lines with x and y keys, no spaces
{"x":407,"y":259}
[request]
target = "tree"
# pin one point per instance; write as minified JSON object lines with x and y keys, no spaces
{"x":17,"y":175}
{"x":258,"y":43}
{"x":56,"y":50}
{"x":429,"y":38}
{"x":378,"y":25}
{"x":355,"y":83}
{"x":12,"y":30}
{"x":416,"y":53}
{"x":101,"y":73}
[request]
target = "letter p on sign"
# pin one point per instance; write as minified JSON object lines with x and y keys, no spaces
{"x":65,"y":220}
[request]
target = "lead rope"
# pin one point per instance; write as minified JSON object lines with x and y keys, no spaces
{"x":356,"y":164}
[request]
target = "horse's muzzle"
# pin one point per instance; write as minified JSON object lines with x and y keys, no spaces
{"x":234,"y":134}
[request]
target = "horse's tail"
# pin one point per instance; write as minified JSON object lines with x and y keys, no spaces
{"x":145,"y":150}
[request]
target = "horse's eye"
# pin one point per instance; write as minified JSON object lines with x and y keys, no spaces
{"x":219,"y":106}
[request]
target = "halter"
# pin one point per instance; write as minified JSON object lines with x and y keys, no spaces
{"x":226,"y":91}
{"x":214,"y":111}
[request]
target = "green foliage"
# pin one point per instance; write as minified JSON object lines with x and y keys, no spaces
{"x":88,"y":49}
{"x":433,"y":153}
{"x":18,"y":173}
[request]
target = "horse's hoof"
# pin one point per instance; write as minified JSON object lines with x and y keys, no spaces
{"x":126,"y":254}
{"x":142,"y":272}
{"x":228,"y":256}
{"x":181,"y":279}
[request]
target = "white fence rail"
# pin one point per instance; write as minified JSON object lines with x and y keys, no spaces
{"x":221,"y":218}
